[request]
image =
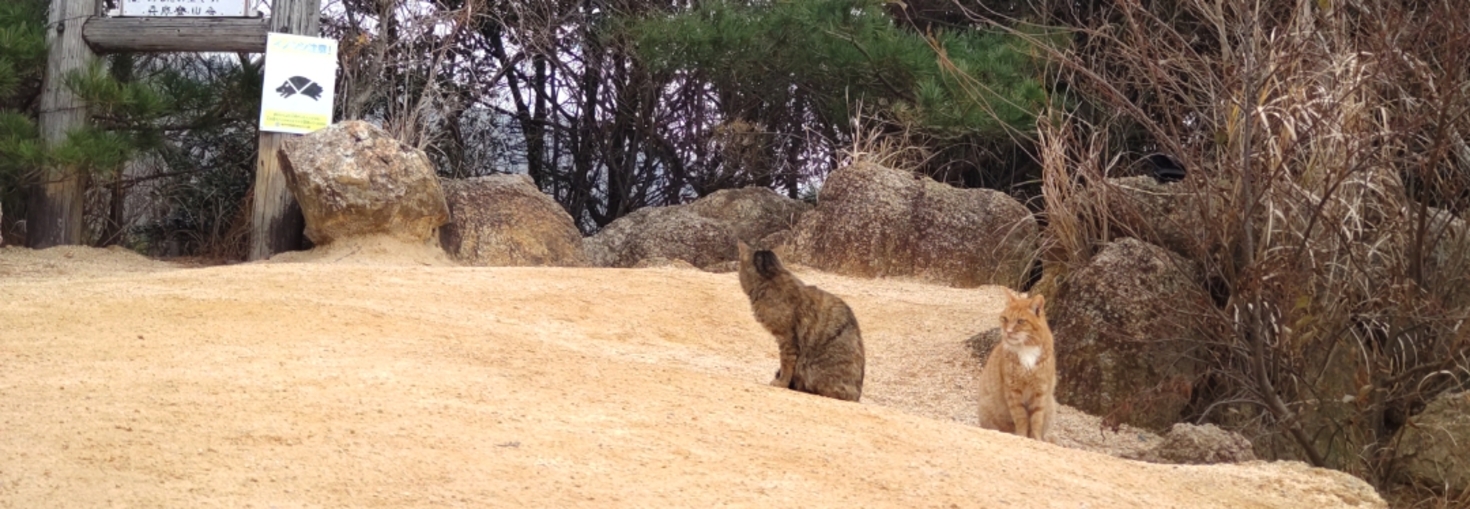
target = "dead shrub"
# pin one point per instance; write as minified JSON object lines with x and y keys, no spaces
{"x":1326,"y":157}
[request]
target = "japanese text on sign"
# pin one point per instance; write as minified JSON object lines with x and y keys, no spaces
{"x":187,"y":8}
{"x":303,"y":47}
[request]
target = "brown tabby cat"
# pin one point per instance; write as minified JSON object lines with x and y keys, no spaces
{"x":821,"y":347}
{"x":1018,"y":383}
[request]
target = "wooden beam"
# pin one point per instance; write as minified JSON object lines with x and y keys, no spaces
{"x":275,"y":219}
{"x":54,"y":216}
{"x":152,"y":35}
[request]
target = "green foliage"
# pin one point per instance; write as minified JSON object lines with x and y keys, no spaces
{"x":22,"y":45}
{"x":845,"y":52}
{"x":20,"y":144}
{"x":96,"y":149}
{"x":121,"y":112}
{"x":22,"y":60}
{"x":109,"y":98}
{"x":195,"y":114}
{"x":129,"y":114}
{"x":209,"y":157}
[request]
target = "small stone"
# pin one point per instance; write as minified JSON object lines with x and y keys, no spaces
{"x":1188,"y":444}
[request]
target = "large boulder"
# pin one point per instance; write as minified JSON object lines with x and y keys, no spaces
{"x":353,"y":179}
{"x":702,"y":233}
{"x":1435,"y":445}
{"x":674,"y":233}
{"x":504,"y":220}
{"x":1124,"y":325}
{"x":872,"y":221}
{"x":1170,"y":215}
{"x":751,"y":213}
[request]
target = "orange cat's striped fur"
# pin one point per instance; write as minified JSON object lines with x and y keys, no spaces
{"x":817,"y":334}
{"x":1018,"y":383}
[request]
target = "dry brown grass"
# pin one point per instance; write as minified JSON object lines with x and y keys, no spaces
{"x":1420,"y":497}
{"x":1322,"y":139}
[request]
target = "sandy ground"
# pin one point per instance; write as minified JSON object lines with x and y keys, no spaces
{"x":364,"y":376}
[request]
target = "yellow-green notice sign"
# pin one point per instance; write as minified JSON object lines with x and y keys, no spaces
{"x":293,"y":120}
{"x":300,"y":83}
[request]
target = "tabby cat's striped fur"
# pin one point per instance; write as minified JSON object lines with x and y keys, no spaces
{"x":821,"y":347}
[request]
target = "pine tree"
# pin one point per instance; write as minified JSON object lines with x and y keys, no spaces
{"x":22,"y":60}
{"x":954,"y":86}
{"x":134,"y":104}
{"x":963,"y":94}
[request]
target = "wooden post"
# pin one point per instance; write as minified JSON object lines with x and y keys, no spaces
{"x":55,"y":211}
{"x":275,"y":218}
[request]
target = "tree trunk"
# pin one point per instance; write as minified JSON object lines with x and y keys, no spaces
{"x":55,"y":212}
{"x":117,"y":207}
{"x":276,"y":223}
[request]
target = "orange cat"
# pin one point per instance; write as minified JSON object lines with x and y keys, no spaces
{"x":1018,"y":383}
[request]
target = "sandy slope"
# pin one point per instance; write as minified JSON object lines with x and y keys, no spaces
{"x":398,"y":381}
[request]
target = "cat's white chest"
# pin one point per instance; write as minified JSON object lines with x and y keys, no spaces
{"x":1028,"y":355}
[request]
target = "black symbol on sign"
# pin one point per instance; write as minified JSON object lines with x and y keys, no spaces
{"x":300,"y":85}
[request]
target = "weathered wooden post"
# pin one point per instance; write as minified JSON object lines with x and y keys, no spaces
{"x":55,"y":210}
{"x":275,"y":218}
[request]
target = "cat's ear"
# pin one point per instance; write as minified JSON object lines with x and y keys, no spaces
{"x":766,"y":264}
{"x":1038,"y":305}
{"x":1012,"y":295}
{"x":743,"y":248}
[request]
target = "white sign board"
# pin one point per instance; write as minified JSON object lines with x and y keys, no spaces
{"x":300,"y":83}
{"x":188,"y":8}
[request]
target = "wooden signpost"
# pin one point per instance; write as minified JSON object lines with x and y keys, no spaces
{"x":55,"y":210}
{"x":78,"y":33}
{"x":276,"y":223}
